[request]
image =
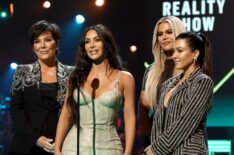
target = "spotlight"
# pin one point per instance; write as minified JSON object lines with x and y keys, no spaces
{"x":146,"y":64}
{"x":7,"y":99}
{"x":99,"y":3}
{"x":11,"y":9}
{"x":3,"y":14}
{"x":46,"y":4}
{"x":133,"y":48}
{"x":13,"y":65}
{"x":80,"y":19}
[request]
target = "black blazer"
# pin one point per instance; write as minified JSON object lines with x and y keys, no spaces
{"x":27,"y":111}
{"x":182,"y":129}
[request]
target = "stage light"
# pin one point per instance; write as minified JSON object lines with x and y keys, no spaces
{"x":13,"y":65}
{"x":3,"y":14}
{"x":146,"y":64}
{"x":7,"y":99}
{"x":80,"y":19}
{"x":99,"y":3}
{"x":3,"y":107}
{"x":133,"y":48}
{"x":46,"y":4}
{"x":11,"y":9}
{"x":225,"y":78}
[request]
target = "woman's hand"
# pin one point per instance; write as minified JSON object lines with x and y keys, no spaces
{"x":148,"y":150}
{"x":46,"y":144}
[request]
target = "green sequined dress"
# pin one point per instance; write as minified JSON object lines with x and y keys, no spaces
{"x":107,"y":141}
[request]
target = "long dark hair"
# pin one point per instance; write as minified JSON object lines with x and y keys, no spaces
{"x":84,"y":64}
{"x":199,"y":41}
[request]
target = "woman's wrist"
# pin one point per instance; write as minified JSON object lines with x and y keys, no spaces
{"x":57,"y":148}
{"x":127,"y":152}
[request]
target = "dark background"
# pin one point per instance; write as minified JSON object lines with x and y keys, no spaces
{"x":132,"y":22}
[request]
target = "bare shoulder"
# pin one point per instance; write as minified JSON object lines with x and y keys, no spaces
{"x":125,"y":75}
{"x":126,"y":79}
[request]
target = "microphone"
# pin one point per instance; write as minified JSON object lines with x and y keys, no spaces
{"x":83,"y":65}
{"x":94,"y":85}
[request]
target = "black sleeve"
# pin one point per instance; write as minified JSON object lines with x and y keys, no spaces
{"x":194,"y":111}
{"x":17,"y":111}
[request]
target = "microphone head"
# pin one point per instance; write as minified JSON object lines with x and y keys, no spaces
{"x":83,"y":65}
{"x":95,"y":83}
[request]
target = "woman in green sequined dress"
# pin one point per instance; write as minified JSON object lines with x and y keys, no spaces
{"x":104,"y":88}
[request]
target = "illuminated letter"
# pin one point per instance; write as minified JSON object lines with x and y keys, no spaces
{"x":208,"y":23}
{"x":196,"y":24}
{"x":175,"y":8}
{"x":186,"y":9}
{"x":203,"y":7}
{"x":211,"y":8}
{"x":187,"y":23}
{"x":166,"y":9}
{"x":194,"y":8}
{"x":220,"y":5}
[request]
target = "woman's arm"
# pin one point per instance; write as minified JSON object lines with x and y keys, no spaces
{"x":128,"y":85}
{"x":144,"y":119}
{"x":17,"y":109}
{"x":62,"y":128}
{"x":18,"y":117}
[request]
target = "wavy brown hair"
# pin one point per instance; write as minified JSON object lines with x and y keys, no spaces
{"x":84,"y":64}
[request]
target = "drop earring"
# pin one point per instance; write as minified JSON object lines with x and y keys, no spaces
{"x":195,"y":59}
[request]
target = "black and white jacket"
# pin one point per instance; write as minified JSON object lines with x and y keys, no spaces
{"x":26,"y":108}
{"x":182,"y":129}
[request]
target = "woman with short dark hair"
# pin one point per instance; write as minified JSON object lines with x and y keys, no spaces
{"x":37,"y":94}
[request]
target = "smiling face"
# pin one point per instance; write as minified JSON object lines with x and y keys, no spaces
{"x":94,"y":46}
{"x":44,"y":46}
{"x":166,"y":36}
{"x":183,"y":56}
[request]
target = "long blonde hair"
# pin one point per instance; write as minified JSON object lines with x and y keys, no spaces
{"x":156,"y":69}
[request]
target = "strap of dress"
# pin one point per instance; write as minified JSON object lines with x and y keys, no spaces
{"x":117,"y":82}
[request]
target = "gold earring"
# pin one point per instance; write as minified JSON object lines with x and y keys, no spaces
{"x":195,"y":59}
